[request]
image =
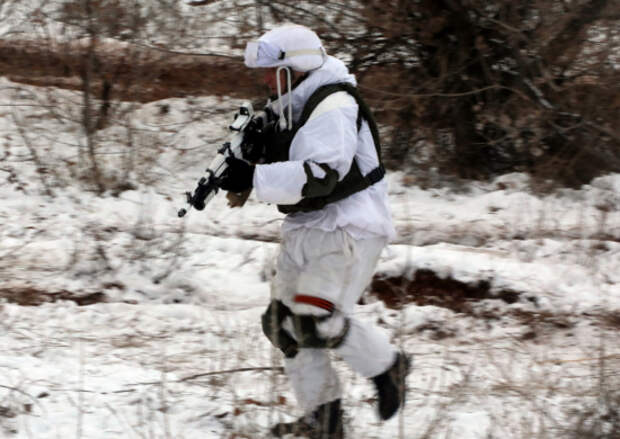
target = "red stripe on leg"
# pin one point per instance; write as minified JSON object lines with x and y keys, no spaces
{"x":316,"y":301}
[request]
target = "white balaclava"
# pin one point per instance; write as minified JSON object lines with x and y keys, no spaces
{"x":290,"y":45}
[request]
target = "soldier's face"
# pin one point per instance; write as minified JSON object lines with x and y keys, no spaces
{"x":270,"y":79}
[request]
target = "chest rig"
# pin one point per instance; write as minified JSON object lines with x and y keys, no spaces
{"x":354,"y":181}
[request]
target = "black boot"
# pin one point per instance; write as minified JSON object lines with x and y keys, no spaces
{"x":324,"y":423}
{"x":391,"y":386}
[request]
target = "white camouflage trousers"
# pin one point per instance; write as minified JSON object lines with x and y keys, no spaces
{"x":331,"y":266}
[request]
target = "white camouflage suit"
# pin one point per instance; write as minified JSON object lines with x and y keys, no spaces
{"x":331,"y":253}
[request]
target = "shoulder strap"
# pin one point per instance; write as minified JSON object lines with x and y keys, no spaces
{"x":354,"y":181}
{"x":364,"y":112}
{"x":315,"y":99}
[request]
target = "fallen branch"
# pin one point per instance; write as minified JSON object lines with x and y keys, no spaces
{"x":15,"y":389}
{"x":181,"y":380}
{"x":199,"y":2}
{"x":215,"y":372}
{"x":221,"y":372}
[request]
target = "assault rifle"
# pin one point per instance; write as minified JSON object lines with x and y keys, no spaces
{"x":245,"y":143}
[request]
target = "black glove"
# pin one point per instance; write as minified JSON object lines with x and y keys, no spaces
{"x":238,"y":176}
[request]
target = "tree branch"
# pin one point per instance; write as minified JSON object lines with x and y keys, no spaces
{"x":588,"y":14}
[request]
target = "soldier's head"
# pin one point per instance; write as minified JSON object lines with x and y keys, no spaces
{"x":289,"y":46}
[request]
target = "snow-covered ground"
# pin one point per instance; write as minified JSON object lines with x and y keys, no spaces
{"x":176,"y":351}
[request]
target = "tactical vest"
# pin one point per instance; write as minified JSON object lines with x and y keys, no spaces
{"x":354,"y":181}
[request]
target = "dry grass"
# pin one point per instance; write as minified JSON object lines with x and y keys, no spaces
{"x":135,"y":73}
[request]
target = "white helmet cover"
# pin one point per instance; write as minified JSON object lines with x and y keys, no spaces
{"x":291,"y":46}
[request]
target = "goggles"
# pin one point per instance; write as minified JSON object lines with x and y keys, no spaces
{"x":263,"y":54}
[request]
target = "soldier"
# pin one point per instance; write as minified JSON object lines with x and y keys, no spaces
{"x":323,"y":169}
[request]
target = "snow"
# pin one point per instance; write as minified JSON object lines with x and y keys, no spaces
{"x":176,"y":350}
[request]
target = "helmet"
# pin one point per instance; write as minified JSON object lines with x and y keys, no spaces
{"x":290,"y":45}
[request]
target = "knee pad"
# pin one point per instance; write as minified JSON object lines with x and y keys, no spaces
{"x":309,"y":336}
{"x":271,"y":321}
{"x":319,"y":331}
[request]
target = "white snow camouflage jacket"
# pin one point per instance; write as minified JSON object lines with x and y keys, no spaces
{"x":330,"y":136}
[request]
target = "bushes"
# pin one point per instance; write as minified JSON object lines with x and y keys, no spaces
{"x":470,"y":87}
{"x":487,"y":86}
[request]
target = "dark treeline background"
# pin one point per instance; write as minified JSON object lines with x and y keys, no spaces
{"x":481,"y":87}
{"x":467,"y":88}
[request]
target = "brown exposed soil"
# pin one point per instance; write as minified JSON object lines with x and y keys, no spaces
{"x":133,"y":73}
{"x":30,"y":296}
{"x":123,"y":71}
{"x":426,"y":288}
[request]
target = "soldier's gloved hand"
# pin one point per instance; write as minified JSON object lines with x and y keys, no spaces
{"x":238,"y":176}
